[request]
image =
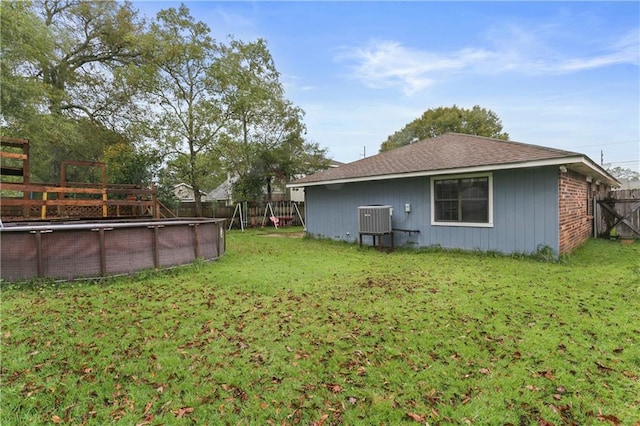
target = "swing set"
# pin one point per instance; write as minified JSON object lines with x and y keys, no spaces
{"x":282,"y":212}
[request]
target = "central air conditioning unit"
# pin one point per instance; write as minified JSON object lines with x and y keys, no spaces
{"x":375,"y":220}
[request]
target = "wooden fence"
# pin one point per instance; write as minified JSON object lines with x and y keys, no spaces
{"x":46,"y":201}
{"x":619,"y":214}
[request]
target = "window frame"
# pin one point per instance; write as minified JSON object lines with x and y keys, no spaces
{"x":488,"y":224}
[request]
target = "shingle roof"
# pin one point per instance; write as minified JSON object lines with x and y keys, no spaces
{"x":443,"y":153}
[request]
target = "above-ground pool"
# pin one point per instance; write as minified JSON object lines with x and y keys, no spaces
{"x":90,"y":249}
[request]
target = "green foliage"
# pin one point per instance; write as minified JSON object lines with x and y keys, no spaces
{"x":263,"y":143}
{"x":60,"y":78}
{"x":622,"y":173}
{"x":127,"y":164}
{"x":96,"y":36}
{"x":90,"y":81}
{"x":434,"y":122}
{"x":290,"y":330}
{"x":23,"y":39}
{"x":248,"y":187}
{"x":184,"y":83}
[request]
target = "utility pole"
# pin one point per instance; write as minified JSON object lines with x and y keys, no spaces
{"x":601,"y":157}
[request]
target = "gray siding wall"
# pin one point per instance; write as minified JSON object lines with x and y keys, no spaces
{"x":525,"y":212}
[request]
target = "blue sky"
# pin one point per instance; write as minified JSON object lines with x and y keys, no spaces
{"x":559,"y":74}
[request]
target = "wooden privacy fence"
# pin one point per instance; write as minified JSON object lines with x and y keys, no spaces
{"x":620,"y":210}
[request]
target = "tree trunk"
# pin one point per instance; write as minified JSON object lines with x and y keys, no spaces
{"x":197,"y":197}
{"x":268,"y":179}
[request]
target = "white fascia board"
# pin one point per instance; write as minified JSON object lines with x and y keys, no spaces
{"x":599,"y":171}
{"x":462,"y":170}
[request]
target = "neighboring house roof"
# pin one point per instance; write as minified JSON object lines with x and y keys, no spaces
{"x":454,"y":153}
{"x":222,"y":191}
{"x":184,"y":191}
{"x":627,"y":183}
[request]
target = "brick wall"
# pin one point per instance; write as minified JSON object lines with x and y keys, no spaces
{"x":575,"y":210}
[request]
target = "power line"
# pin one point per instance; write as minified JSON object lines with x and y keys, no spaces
{"x":604,"y":145}
{"x":623,"y":162}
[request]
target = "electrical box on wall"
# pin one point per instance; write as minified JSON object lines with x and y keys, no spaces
{"x":407,"y":208}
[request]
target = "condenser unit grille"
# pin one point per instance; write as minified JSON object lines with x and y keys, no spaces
{"x":374,"y":219}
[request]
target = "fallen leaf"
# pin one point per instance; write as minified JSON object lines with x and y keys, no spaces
{"x":485,"y":371}
{"x":603,"y":367}
{"x":334,"y":387}
{"x":180,"y":412}
{"x":417,"y":417}
{"x":56,"y":419}
{"x":147,"y":408}
{"x":321,"y":421}
{"x":609,"y":418}
{"x":548,"y":375}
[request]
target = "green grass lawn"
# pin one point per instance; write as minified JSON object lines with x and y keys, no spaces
{"x":286,"y":330}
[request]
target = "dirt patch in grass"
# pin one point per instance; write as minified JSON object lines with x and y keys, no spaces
{"x":286,"y":235}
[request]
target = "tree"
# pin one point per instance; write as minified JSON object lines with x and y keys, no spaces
{"x":183,"y":87}
{"x":91,"y":41}
{"x":24,"y":39}
{"x":622,"y":173}
{"x":61,"y":75}
{"x":127,"y":164}
{"x":263,"y":140}
{"x":475,"y":121}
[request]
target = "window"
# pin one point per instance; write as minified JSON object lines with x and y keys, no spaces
{"x":462,"y":200}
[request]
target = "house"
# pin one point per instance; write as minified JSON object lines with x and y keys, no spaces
{"x":463,"y":192}
{"x":629,"y":183}
{"x":223,"y":194}
{"x":296,"y":193}
{"x":184,"y":192}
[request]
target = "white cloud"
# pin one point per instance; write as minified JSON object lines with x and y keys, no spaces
{"x":624,"y":51}
{"x":390,"y":64}
{"x":384,"y":64}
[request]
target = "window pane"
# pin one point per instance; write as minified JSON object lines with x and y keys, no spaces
{"x":474,"y":188}
{"x":476,"y":211}
{"x":446,"y":211}
{"x":447,"y":189}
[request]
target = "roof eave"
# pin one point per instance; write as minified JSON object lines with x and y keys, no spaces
{"x":598,"y":172}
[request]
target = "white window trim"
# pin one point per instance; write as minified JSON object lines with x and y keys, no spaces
{"x":488,"y":224}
